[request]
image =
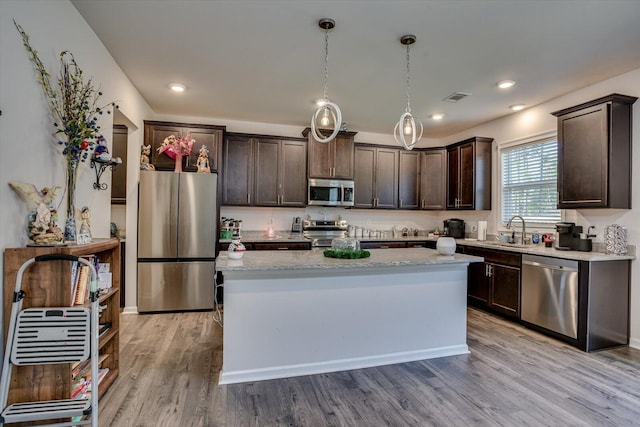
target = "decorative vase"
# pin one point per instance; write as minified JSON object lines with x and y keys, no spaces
{"x":178,"y":159}
{"x":446,"y":245}
{"x":70,"y":231}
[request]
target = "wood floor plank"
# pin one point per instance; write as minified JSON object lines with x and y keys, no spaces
{"x":170,"y":363}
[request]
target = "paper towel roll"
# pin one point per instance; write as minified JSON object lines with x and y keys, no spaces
{"x":482,"y":230}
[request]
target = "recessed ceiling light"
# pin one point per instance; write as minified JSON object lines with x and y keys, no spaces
{"x":505,"y":84}
{"x":437,"y":116}
{"x":517,"y":107}
{"x":177,"y":87}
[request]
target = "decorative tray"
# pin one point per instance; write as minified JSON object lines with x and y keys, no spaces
{"x":346,"y":253}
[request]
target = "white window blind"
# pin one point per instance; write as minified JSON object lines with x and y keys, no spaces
{"x":529,"y":182}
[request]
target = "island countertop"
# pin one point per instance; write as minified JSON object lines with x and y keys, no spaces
{"x":315,"y":259}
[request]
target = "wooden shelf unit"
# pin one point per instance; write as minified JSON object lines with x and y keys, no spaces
{"x":48,"y":284}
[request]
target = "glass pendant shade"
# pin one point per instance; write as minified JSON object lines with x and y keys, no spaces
{"x":408,"y":130}
{"x":327,"y":117}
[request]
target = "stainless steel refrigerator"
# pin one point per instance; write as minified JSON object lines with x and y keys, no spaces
{"x":177,"y":222}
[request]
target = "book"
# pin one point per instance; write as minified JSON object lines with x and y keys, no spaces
{"x":82,"y":285}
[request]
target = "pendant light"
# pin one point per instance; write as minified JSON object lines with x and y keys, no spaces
{"x":328,"y":114}
{"x":408,"y":130}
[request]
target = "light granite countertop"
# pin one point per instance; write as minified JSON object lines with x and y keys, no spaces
{"x":594,"y":256}
{"x":314,"y":259}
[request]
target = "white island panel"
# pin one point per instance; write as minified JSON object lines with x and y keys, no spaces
{"x":287,"y":322}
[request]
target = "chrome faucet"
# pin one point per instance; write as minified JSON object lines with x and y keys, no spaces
{"x":524,"y":233}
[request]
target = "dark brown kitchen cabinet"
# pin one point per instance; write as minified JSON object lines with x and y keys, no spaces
{"x":469,"y":174}
{"x":376,"y":177}
{"x":237,"y":172}
{"x":594,"y":154}
{"x":433,"y":179}
{"x":382,"y":245}
{"x":119,"y":176}
{"x":495,"y":283}
{"x":280,"y":172}
{"x":208,"y":135}
{"x":333,"y":159}
{"x":409,"y":180}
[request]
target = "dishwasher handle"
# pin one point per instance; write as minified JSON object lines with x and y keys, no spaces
{"x":552,"y":267}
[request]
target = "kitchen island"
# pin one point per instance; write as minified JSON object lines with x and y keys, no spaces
{"x":290,"y":313}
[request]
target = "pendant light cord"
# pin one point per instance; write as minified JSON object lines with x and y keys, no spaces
{"x":408,"y":110}
{"x":326,"y":64}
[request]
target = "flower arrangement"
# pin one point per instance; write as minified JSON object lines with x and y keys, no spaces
{"x":174,"y":146}
{"x":74,"y":105}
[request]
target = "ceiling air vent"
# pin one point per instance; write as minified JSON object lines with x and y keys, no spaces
{"x":456,"y":96}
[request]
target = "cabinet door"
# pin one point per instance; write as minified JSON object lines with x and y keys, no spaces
{"x":478,"y":287}
{"x":433,"y":179}
{"x":386,"y":179}
{"x":237,"y":173}
{"x":343,"y":156}
{"x":582,"y":158}
{"x":212,"y":138}
{"x":267,"y":165}
{"x":505,"y":289}
{"x":155,"y":135}
{"x":119,"y":177}
{"x":320,"y":158}
{"x":467,"y":185}
{"x":409,"y":188}
{"x":364,"y":172}
{"x":453,"y":177}
{"x":293,"y":173}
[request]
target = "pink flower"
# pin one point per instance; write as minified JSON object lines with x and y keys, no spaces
{"x":173,"y":146}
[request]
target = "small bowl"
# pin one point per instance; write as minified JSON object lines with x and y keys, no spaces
{"x":235,"y":255}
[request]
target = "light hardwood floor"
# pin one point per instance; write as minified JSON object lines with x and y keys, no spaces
{"x":513,"y":377}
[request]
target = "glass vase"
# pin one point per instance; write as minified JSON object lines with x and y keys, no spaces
{"x":178,"y":167}
{"x":70,"y":231}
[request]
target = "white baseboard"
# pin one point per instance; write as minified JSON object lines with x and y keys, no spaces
{"x":130,"y":310}
{"x":635,"y":343}
{"x":338,"y":365}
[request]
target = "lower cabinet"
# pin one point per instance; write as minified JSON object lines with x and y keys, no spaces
{"x":382,"y":245}
{"x":495,"y":283}
{"x":270,"y":246}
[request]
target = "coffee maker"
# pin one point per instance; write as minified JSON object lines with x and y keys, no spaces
{"x":454,"y":228}
{"x":568,"y":236}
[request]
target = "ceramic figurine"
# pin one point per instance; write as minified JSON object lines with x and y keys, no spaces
{"x":42,"y":227}
{"x":236,"y":249}
{"x":203,"y":160}
{"x":84,"y":235}
{"x":144,"y":159}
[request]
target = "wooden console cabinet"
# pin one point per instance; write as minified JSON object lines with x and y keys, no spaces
{"x":47,"y":284}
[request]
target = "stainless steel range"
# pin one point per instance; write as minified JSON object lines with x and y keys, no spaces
{"x":321,"y":232}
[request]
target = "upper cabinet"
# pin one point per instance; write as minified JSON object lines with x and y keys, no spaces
{"x":469,"y":174}
{"x":333,"y":159}
{"x":119,"y":177}
{"x":209,"y":135}
{"x":594,"y":154}
{"x":433,"y":179}
{"x":280,"y":172}
{"x":409,"y":180}
{"x":237,"y":170}
{"x":376,"y":177}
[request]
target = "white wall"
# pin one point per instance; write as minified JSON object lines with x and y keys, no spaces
{"x":27,"y":151}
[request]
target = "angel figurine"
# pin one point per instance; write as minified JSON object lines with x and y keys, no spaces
{"x":203,"y":160}
{"x":144,"y":159}
{"x":84,"y":235}
{"x":42,"y":228}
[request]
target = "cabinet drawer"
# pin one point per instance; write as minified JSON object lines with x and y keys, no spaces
{"x":495,"y":256}
{"x":431,"y":244}
{"x":382,"y":245}
{"x":274,"y":246}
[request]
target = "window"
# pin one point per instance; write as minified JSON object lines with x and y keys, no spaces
{"x":529,"y":182}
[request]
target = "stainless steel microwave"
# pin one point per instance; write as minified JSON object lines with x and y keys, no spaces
{"x":330,"y":192}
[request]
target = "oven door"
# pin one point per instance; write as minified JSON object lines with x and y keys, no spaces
{"x":325,"y":192}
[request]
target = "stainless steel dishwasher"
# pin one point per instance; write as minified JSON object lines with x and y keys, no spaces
{"x":550,"y":293}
